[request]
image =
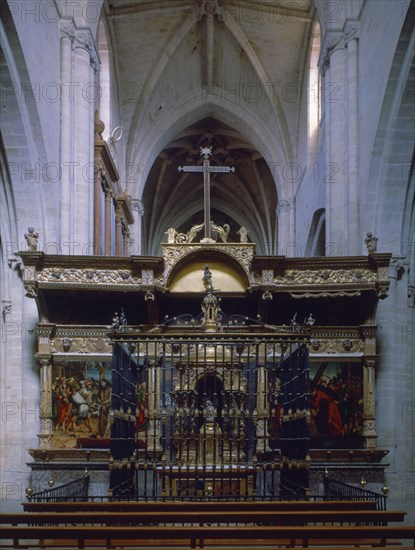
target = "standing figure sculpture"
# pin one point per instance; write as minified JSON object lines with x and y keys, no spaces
{"x":371,"y":243}
{"x":32,"y":239}
{"x":243,"y":234}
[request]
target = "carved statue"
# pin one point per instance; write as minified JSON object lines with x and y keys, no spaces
{"x":207,"y":278}
{"x":32,"y":239}
{"x":115,"y":322}
{"x":371,"y":243}
{"x":171,"y":235}
{"x":310,"y":320}
{"x":222,"y":232}
{"x":243,"y":234}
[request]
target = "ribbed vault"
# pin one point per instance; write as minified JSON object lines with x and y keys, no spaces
{"x":246,"y":197}
{"x":226,"y":73}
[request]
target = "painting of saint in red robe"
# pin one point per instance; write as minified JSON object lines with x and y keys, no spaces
{"x":337,"y":407}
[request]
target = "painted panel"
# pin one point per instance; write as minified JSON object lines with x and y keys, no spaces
{"x":81,"y":398}
{"x":336,"y":405}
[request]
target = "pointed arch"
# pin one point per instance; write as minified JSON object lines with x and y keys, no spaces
{"x":189,"y":111}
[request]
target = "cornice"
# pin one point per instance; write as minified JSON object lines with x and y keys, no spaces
{"x":300,"y":277}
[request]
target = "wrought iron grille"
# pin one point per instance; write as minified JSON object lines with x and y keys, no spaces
{"x":206,"y":416}
{"x":73,"y":491}
{"x":344,"y":491}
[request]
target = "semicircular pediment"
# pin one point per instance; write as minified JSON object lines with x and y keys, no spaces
{"x":228,"y":275}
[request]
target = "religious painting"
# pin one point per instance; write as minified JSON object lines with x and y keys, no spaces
{"x":81,"y":403}
{"x":336,"y":405}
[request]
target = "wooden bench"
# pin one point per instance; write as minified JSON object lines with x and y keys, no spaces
{"x":203,"y":517}
{"x":127,"y":506}
{"x":202,"y":536}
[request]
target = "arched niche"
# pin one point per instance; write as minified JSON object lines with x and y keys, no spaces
{"x":228,"y":275}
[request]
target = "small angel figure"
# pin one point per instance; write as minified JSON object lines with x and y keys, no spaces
{"x":171,"y":235}
{"x":32,"y":239}
{"x":371,"y":243}
{"x":243,"y":234}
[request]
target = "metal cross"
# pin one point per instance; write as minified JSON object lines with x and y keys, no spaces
{"x":207,"y":169}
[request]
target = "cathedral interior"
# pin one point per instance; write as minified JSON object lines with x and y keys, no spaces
{"x":207,"y":247}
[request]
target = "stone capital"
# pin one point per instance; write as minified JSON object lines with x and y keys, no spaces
{"x":137,"y":206}
{"x":397,"y":265}
{"x":6,"y":308}
{"x":67,"y":29}
{"x":84,"y":40}
{"x":332,"y":41}
{"x":369,"y":363}
{"x":411,"y":295}
{"x":351,"y":31}
{"x":285,"y":205}
{"x":337,"y":39}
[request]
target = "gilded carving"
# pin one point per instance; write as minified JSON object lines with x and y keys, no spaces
{"x":267,"y":276}
{"x":81,"y":345}
{"x":147,"y":276}
{"x":325,"y":294}
{"x":337,"y":346}
{"x":332,"y":276}
{"x":87,"y":276}
{"x":29,"y":273}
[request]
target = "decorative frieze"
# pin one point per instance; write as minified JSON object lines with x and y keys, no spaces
{"x":301,"y":278}
{"x":89,"y":278}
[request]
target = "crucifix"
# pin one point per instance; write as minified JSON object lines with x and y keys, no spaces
{"x":207,"y":169}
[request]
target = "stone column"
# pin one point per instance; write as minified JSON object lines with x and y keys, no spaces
{"x":286,"y":235}
{"x":369,"y":432}
{"x":108,"y":228}
{"x":45,"y":435}
{"x":351,"y":41}
{"x":86,"y":62}
{"x":67,"y":33}
{"x":334,"y":169}
{"x":97,"y":209}
{"x":118,"y":235}
{"x":136,"y":244}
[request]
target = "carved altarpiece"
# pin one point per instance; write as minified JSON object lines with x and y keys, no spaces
{"x":341,"y":293}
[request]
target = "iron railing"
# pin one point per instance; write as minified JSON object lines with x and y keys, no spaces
{"x":344,"y":491}
{"x":73,"y":491}
{"x":208,"y":415}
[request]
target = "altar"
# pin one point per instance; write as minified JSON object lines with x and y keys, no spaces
{"x":191,"y":481}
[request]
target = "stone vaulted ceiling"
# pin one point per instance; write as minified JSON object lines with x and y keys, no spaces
{"x":226,"y":73}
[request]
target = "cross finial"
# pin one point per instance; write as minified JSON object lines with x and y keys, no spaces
{"x":205,"y":152}
{"x":207,"y":169}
